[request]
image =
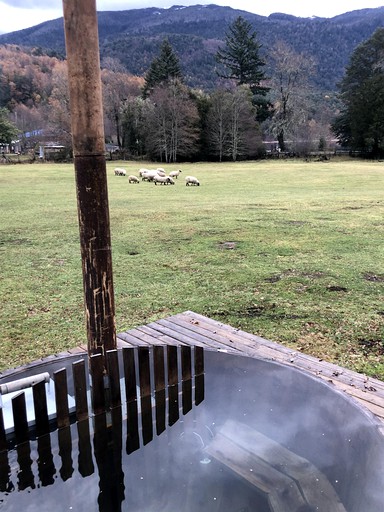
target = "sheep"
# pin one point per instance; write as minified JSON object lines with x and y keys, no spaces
{"x":133,"y":179}
{"x":142,"y":171}
{"x":163,"y":180}
{"x":161,"y":171}
{"x":149,"y":174}
{"x":175,"y":174}
{"x":120,"y":172}
{"x":191,"y":180}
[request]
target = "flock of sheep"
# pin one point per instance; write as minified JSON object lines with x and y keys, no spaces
{"x":157,"y":176}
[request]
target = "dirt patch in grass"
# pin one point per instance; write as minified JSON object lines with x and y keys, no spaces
{"x":227,"y":245}
{"x":290,"y":272}
{"x":336,"y":288}
{"x":375,"y":278}
{"x":372,"y":346}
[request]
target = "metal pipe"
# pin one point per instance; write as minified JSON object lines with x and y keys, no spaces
{"x":26,"y":382}
{"x":84,"y":79}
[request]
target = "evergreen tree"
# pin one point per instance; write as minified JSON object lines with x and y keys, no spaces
{"x":7,"y":130}
{"x":360,"y":124}
{"x":163,"y":68}
{"x":240,"y":60}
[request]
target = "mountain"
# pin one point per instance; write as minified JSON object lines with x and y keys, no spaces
{"x":195,"y":32}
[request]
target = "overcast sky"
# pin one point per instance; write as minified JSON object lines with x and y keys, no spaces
{"x":19,"y":14}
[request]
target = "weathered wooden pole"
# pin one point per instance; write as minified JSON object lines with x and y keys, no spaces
{"x":82,"y":45}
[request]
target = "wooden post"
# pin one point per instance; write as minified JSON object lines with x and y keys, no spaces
{"x":82,"y":46}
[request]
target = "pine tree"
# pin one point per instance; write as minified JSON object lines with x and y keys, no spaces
{"x":163,"y":68}
{"x":240,"y":60}
{"x":360,"y":124}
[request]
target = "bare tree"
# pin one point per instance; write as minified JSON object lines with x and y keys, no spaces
{"x":117,"y":88}
{"x":218,"y":123}
{"x":172,"y":123}
{"x":289,"y":91}
{"x":232,"y":130}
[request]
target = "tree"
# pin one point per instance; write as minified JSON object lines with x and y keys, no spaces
{"x":360,"y":124}
{"x":172,"y":123}
{"x":7,"y":129}
{"x":163,"y":68}
{"x":240,"y":60}
{"x":117,"y":88}
{"x":232,"y":130}
{"x":290,"y":91}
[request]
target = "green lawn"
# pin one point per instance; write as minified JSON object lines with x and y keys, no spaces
{"x":289,"y":250}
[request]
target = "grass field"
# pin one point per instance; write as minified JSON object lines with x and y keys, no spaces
{"x":289,"y":250}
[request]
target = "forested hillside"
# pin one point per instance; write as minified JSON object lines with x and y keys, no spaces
{"x":195,"y":32}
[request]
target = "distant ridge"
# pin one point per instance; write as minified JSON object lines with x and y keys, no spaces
{"x":195,"y":32}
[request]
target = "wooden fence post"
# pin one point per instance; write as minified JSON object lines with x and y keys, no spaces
{"x":84,"y":80}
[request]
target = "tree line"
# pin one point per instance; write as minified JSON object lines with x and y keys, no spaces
{"x":159,"y":117}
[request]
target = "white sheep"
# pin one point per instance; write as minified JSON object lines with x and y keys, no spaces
{"x":142,"y":171}
{"x":175,"y":174}
{"x":149,"y":174}
{"x":191,"y":180}
{"x":133,"y":179}
{"x":120,"y":172}
{"x":161,"y":171}
{"x":163,"y":180}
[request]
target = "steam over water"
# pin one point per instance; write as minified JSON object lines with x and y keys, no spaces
{"x":265,"y":438}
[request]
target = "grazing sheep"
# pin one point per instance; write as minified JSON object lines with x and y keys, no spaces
{"x":175,"y":174}
{"x":161,"y":171}
{"x":163,"y":180}
{"x":191,"y":180}
{"x":142,"y":171}
{"x":149,"y":174}
{"x":133,"y":179}
{"x":120,"y":172}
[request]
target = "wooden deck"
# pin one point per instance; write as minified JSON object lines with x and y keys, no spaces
{"x":190,"y":328}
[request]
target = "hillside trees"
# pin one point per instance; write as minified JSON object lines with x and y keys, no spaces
{"x":360,"y":124}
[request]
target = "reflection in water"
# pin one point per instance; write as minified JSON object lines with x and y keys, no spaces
{"x":93,"y":447}
{"x":256,"y":444}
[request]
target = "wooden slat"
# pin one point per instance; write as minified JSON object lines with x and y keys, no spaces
{"x":186,"y":363}
{"x":160,"y":401}
{"x":173,"y":404}
{"x":159,"y":368}
{"x":114,"y":377}
{"x":19,"y":411}
{"x":80,"y":387}
{"x":186,"y":378}
{"x":144,"y":372}
{"x":131,"y":340}
{"x":146,"y":418}
{"x":61,"y":398}
{"x":85,"y":460}
{"x":41,"y":409}
{"x":133,"y":440}
{"x":97,"y":389}
{"x":199,"y":360}
{"x":150,"y":334}
{"x":172,"y":365}
{"x":65,"y":452}
{"x":129,"y":374}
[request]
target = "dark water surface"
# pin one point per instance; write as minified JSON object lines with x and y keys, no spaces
{"x":265,"y":438}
